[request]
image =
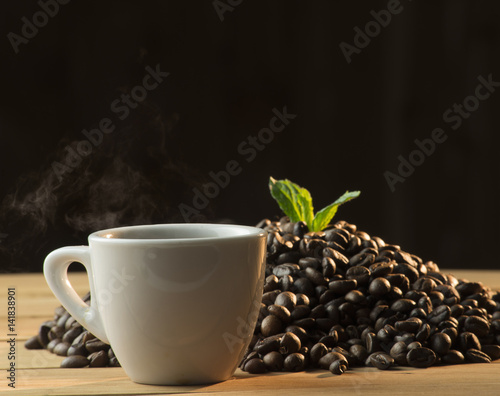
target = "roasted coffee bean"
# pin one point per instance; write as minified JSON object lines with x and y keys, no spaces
{"x":398,"y":352}
{"x":52,"y":344}
{"x":338,"y":367}
{"x":61,"y":349}
{"x":299,"y":312}
{"x":439,"y":314}
{"x":285,"y":269}
{"x":372,"y":343}
{"x":421,"y":357}
{"x":271,"y":283}
{"x":476,"y":356}
{"x":71,"y":334}
{"x":98,"y":359}
{"x":453,"y":357}
{"x":355,"y":297}
{"x":477,"y":325}
{"x":304,"y":286}
{"x":317,"y":352}
{"x":33,"y":343}
{"x":273,"y":361}
{"x":329,"y":358}
{"x":309,"y":262}
{"x":290,"y":343}
{"x":315,"y":276}
{"x":96,"y":345}
{"x":340,"y":260}
{"x":360,"y":274}
{"x":285,"y":283}
{"x":412,"y":325}
{"x":43,"y":333}
{"x":330,"y":340}
{"x":266,"y":345}
{"x":379,"y":286}
{"x":76,"y":361}
{"x":286,"y":299}
{"x":328,"y":267}
{"x":468,"y":288}
{"x":403,"y":305}
{"x":77,"y":349}
{"x":289,"y":257}
{"x":271,"y":325}
{"x":255,"y":366}
{"x":342,"y":286}
{"x":414,"y":345}
{"x":294,"y":362}
{"x":380,"y":360}
{"x":298,"y":331}
{"x":468,"y":340}
{"x":281,"y":312}
{"x":359,"y":352}
{"x":451,"y":332}
{"x":440,"y":343}
{"x":493,"y":351}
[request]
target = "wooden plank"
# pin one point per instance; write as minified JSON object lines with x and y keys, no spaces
{"x":480,"y":379}
{"x":38,"y":372}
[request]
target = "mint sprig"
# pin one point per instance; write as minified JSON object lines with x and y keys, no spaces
{"x":296,"y":203}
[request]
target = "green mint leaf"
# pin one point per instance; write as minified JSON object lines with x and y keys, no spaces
{"x":325,"y":215}
{"x":294,"y":201}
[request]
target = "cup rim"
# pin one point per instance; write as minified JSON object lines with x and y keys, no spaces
{"x":105,"y":235}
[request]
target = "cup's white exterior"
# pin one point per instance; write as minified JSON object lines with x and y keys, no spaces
{"x":177,"y":303}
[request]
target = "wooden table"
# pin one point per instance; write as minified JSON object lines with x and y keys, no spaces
{"x":38,"y":371}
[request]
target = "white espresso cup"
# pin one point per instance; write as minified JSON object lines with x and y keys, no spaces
{"x":177,"y":302}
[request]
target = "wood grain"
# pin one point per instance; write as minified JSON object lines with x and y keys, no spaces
{"x":38,"y":372}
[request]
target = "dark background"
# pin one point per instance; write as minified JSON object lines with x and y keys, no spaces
{"x":352,"y":121}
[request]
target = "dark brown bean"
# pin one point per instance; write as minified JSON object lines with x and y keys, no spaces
{"x":76,"y":361}
{"x":338,"y":367}
{"x":342,"y":286}
{"x":255,"y":366}
{"x":493,"y":351}
{"x":476,"y":356}
{"x":380,"y":360}
{"x":290,"y":343}
{"x":294,"y":362}
{"x":33,"y":343}
{"x":96,"y":345}
{"x":274,"y":361}
{"x":329,"y":358}
{"x":440,"y":343}
{"x":453,"y":357}
{"x":477,"y":325}
{"x":61,"y":349}
{"x":421,"y":357}
{"x":271,"y":325}
{"x":98,"y":359}
{"x":281,"y":312}
{"x":379,"y":286}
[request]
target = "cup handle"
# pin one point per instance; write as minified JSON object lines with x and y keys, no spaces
{"x":55,"y":269}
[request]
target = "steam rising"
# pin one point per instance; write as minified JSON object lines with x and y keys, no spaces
{"x":133,"y":177}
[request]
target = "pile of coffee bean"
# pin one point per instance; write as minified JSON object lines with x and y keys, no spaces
{"x":337,"y":299}
{"x":64,"y":336}
{"x":341,"y":298}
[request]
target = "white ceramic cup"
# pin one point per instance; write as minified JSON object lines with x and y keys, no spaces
{"x":177,"y":302}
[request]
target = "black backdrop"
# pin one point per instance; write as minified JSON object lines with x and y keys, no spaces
{"x":360,"y":101}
